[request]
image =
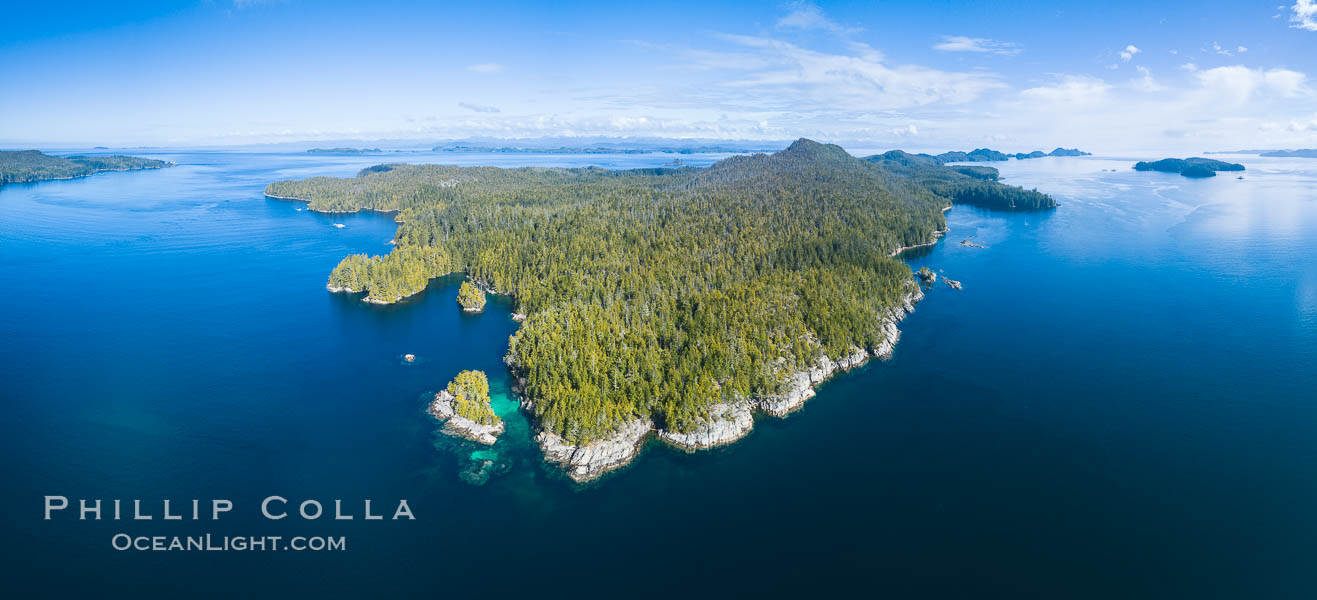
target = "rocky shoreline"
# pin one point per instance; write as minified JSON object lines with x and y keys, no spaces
{"x":456,"y":425}
{"x":583,"y":463}
{"x":367,"y":299}
{"x":801,"y":384}
{"x":728,"y":422}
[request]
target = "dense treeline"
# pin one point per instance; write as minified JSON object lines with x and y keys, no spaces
{"x":658,"y":292}
{"x":31,"y":165}
{"x":470,"y":390}
{"x":986,"y":173}
{"x":961,"y":184}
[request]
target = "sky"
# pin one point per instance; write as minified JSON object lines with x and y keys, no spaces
{"x":930,"y":75}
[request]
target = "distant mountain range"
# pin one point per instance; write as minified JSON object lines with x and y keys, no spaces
{"x":344,"y":150}
{"x":987,"y":155}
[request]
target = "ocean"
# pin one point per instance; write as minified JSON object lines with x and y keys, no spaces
{"x":1119,"y":403}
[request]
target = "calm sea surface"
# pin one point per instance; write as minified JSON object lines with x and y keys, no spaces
{"x":1120,"y":403}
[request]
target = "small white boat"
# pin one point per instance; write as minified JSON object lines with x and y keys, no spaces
{"x":339,"y":225}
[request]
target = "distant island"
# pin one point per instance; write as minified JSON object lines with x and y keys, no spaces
{"x":990,"y":155}
{"x":668,"y":303}
{"x":24,"y":166}
{"x":1189,"y":167}
{"x":976,"y":155}
{"x":344,"y":150}
{"x":1302,"y":153}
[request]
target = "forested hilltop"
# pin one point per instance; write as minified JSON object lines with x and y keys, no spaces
{"x":22,"y":166}
{"x":658,"y":293}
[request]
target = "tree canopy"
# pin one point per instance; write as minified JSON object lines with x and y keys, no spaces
{"x":471,"y":297}
{"x":470,"y":390}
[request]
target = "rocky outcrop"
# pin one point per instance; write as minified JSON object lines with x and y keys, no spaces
{"x":459,"y":426}
{"x":727,"y":422}
{"x":587,"y":462}
{"x":800,"y":385}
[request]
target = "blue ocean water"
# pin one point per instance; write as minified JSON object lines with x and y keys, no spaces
{"x":1119,"y":403}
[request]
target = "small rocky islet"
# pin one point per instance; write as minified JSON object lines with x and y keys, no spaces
{"x":465,"y":410}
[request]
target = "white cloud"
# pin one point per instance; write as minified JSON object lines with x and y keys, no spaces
{"x":1305,"y":15}
{"x":797,"y":78}
{"x":1241,"y":49}
{"x":908,"y":130}
{"x":1219,"y":50}
{"x":480,"y":108}
{"x":1070,"y":90}
{"x":1129,"y":52}
{"x":1146,"y":83}
{"x":960,"y":43}
{"x":805,"y":15}
{"x":1239,"y":84}
{"x":486,"y":68}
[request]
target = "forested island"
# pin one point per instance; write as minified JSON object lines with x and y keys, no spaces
{"x":464,"y":407}
{"x":668,"y":300}
{"x":1188,"y":167}
{"x":344,"y":151}
{"x":470,"y":297}
{"x":23,"y":166}
{"x":1068,"y":152}
{"x":989,"y":155}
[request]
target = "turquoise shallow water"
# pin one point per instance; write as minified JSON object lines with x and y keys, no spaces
{"x":1118,"y":403}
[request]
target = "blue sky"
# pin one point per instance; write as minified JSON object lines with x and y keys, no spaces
{"x":1112,"y":77}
